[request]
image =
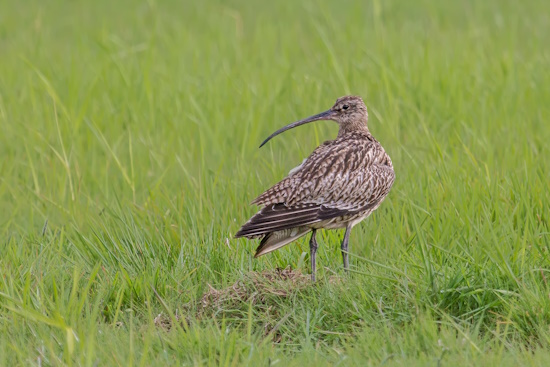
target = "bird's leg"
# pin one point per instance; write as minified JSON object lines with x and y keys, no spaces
{"x":344,"y":248}
{"x":313,"y":251}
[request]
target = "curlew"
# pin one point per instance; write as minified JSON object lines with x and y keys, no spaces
{"x":341,"y":183}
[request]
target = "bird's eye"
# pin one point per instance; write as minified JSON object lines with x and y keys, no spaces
{"x":345,"y":107}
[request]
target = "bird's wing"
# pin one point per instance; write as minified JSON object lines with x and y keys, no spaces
{"x":276,"y":217}
{"x":336,"y":174}
{"x":336,"y":180}
{"x":362,"y":193}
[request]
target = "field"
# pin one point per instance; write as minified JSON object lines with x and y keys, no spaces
{"x":129,"y":154}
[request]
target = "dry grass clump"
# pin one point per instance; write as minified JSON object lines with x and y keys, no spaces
{"x":259,"y":292}
{"x":254,"y":288}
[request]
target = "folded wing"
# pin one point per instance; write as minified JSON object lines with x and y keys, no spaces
{"x":328,"y":185}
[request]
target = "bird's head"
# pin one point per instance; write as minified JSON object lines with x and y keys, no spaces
{"x":349,"y":112}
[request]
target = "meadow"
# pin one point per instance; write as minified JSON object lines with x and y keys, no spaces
{"x":129,"y":135}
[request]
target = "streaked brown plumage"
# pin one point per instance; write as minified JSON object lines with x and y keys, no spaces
{"x":341,"y":183}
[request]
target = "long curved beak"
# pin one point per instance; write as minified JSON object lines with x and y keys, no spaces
{"x":327,"y":115}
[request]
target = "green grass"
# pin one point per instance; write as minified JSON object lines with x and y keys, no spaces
{"x":129,"y":154}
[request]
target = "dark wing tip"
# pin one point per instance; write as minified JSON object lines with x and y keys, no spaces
{"x":278,"y":217}
{"x":241,"y":232}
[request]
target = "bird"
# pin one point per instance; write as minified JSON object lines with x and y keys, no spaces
{"x":341,"y":183}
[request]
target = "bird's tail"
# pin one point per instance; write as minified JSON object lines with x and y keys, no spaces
{"x":274,"y":240}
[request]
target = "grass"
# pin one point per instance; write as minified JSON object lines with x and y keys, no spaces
{"x":129,"y":135}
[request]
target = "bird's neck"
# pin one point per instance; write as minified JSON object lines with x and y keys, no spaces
{"x":352,"y":127}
